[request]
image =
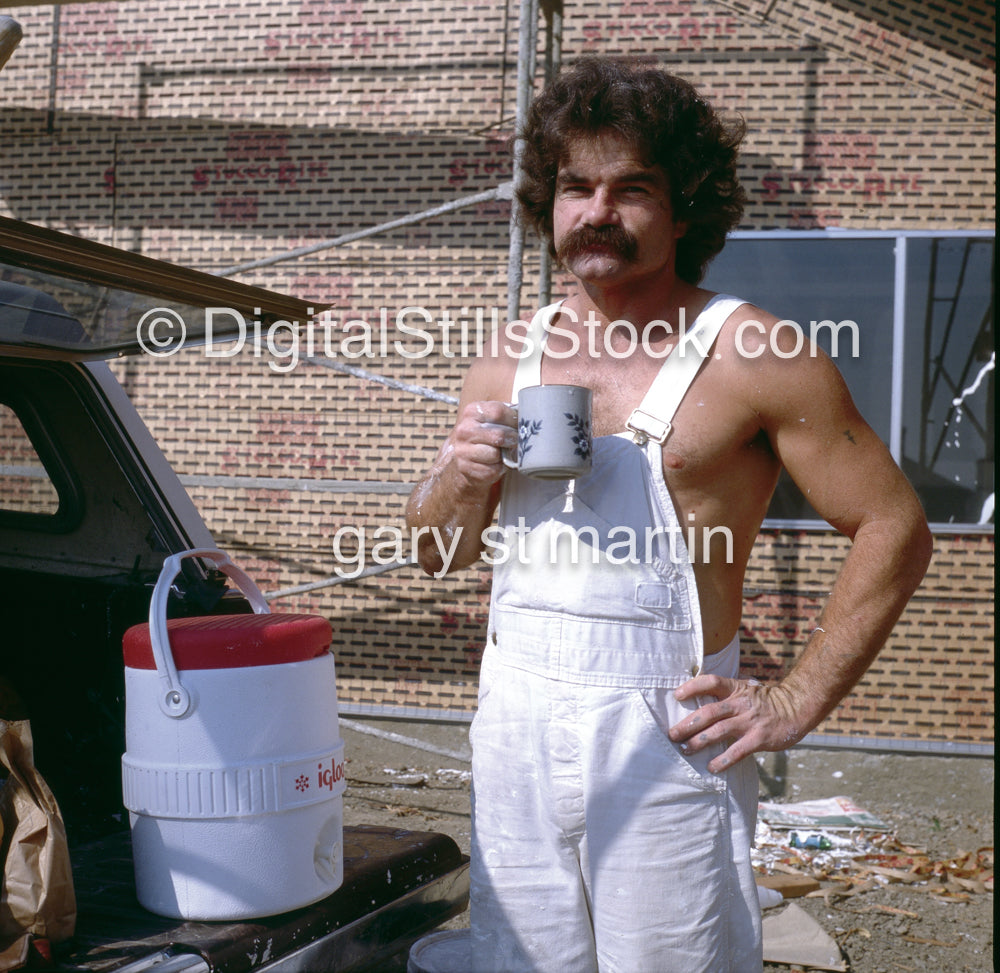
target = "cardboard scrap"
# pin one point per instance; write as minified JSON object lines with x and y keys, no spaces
{"x":794,"y":937}
{"x":790,"y":886}
{"x":831,"y":814}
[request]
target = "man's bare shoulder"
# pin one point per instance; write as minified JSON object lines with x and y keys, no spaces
{"x":743,"y":323}
{"x":774,"y":356}
{"x":490,"y":376}
{"x":779,"y":374}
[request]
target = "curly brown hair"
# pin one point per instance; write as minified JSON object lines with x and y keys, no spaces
{"x":670,"y":125}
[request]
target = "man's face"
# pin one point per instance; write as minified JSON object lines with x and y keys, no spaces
{"x":612,"y":223}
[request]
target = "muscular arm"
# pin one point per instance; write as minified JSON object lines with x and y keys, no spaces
{"x":851,"y":480}
{"x":459,"y":494}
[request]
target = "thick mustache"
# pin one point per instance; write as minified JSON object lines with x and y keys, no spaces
{"x":619,"y":241}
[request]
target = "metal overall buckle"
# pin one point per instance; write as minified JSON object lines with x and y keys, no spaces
{"x":645,"y":427}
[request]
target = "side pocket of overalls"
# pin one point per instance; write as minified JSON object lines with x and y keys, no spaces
{"x":661,"y":710}
{"x":486,"y":679}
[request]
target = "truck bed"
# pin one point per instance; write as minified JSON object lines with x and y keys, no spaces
{"x":397,"y":886}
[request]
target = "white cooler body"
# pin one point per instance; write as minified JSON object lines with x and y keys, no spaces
{"x":236,"y":808}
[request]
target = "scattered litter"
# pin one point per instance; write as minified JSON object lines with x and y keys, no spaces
{"x":402,"y":811}
{"x":820,"y":841}
{"x":816,"y":853}
{"x":454,"y":776}
{"x":410,"y":777}
{"x":951,"y":880}
{"x":769,"y":897}
{"x":405,"y":777}
{"x":843,"y":864}
{"x":920,"y":941}
{"x":832,"y":813}
{"x":892,"y":910}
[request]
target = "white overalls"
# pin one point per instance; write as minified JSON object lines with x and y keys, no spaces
{"x":597,"y":845}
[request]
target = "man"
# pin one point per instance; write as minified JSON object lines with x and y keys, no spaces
{"x":614,"y":802}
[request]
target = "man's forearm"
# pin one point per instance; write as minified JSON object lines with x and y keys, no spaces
{"x":885,"y":565}
{"x":457,"y":497}
{"x":459,"y":511}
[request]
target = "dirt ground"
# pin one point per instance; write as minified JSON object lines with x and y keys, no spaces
{"x":416,"y":775}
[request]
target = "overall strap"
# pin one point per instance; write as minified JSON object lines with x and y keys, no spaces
{"x":652,"y":420}
{"x":529,"y":364}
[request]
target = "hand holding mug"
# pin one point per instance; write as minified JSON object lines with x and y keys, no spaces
{"x":483,"y":432}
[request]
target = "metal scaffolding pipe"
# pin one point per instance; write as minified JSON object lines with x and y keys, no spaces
{"x":553,"y":62}
{"x":393,"y":383}
{"x":503,"y":191}
{"x":527,"y":34}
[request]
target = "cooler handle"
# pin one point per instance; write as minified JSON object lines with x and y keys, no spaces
{"x":175,"y":700}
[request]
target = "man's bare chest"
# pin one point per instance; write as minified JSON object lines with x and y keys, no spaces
{"x":709,"y":429}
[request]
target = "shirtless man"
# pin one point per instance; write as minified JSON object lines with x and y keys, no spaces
{"x":614,"y":804}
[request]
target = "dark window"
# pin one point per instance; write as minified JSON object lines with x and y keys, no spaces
{"x":843,"y":287}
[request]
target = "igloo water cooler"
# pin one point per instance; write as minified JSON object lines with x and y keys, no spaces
{"x":233,"y":773}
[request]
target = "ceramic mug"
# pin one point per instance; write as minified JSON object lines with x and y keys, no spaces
{"x":553,"y":432}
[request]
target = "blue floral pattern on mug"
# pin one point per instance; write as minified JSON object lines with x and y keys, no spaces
{"x":526,"y":431}
{"x":581,"y":439}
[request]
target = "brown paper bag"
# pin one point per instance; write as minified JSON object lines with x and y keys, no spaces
{"x":37,"y":894}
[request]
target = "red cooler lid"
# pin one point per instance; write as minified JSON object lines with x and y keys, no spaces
{"x":232,"y":641}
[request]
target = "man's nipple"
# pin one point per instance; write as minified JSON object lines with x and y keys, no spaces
{"x":672,"y":461}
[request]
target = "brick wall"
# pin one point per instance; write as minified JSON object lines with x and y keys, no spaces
{"x":934,"y":679}
{"x":214,"y":136}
